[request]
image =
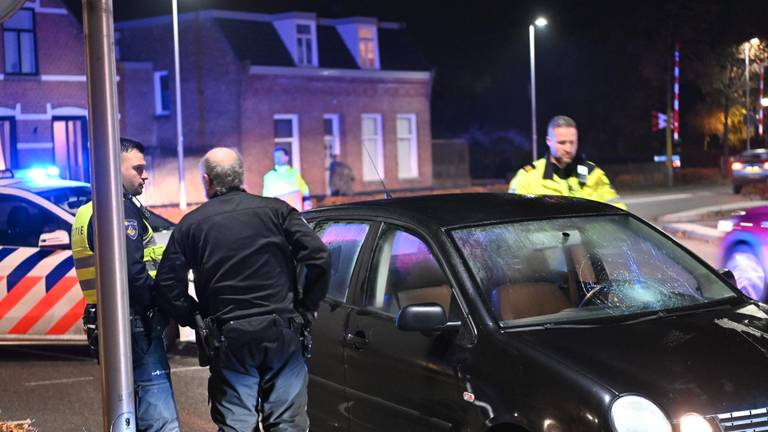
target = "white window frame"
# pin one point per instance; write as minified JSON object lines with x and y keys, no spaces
{"x":158,"y":75}
{"x":379,"y":156}
{"x":334,"y":118}
{"x":23,"y":53}
{"x":311,"y":38}
{"x":295,"y":144}
{"x":414,"y":147}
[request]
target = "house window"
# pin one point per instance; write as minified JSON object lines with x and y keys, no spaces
{"x":19,"y":39}
{"x":304,"y":44}
{"x":367,"y":47}
{"x":162,"y":93}
{"x":373,"y":147}
{"x":407,"y":146}
{"x":287,"y":135}
{"x":8,"y":142}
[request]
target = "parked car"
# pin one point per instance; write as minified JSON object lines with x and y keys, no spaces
{"x":743,"y":250}
{"x":498,"y":312}
{"x":750,"y":167}
{"x":40,"y":297}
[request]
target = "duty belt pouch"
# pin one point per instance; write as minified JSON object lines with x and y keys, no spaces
{"x":259,"y":329}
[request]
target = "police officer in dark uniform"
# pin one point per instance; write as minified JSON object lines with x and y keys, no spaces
{"x":155,"y":404}
{"x":244,"y":251}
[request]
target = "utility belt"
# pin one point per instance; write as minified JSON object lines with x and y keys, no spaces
{"x":150,"y":322}
{"x":212,"y":334}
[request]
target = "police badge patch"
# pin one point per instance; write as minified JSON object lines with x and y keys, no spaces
{"x":131,"y":228}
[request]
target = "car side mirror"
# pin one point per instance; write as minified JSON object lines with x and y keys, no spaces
{"x":421,"y":317}
{"x":56,"y":238}
{"x":729,"y":276}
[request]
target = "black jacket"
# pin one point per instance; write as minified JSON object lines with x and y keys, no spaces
{"x":140,"y":282}
{"x":243,"y":250}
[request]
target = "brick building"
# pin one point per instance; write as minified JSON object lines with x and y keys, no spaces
{"x":253,"y":81}
{"x":43,"y":93}
{"x":355,"y":87}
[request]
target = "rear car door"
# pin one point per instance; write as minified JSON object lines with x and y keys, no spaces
{"x":40,"y":298}
{"x":400,"y":380}
{"x":347,"y":242}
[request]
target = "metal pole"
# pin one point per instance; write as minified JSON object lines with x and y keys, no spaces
{"x":747,"y":109}
{"x":761,"y":115}
{"x":533,"y":92}
{"x":179,"y":130}
{"x":111,"y":280}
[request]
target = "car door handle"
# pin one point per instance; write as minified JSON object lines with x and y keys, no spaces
{"x":357,"y":341}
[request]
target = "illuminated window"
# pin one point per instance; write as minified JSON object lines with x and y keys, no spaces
{"x":373,"y":147}
{"x":162,"y":93}
{"x":304,"y":44}
{"x":19,"y":38}
{"x":344,"y":241}
{"x":367,"y":47}
{"x":407,"y":146}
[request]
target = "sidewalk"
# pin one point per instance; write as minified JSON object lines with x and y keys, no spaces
{"x":696,"y":224}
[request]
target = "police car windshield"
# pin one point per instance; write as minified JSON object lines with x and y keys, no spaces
{"x":68,"y":198}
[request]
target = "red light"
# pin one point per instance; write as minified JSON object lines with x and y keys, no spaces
{"x":765,"y":165}
{"x":736,"y":166}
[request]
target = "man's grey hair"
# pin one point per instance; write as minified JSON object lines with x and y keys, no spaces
{"x":224,"y":177}
{"x":560,"y":121}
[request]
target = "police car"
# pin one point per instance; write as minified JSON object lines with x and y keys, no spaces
{"x":40,"y":298}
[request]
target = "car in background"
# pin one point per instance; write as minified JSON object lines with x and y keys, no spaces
{"x":40,"y":297}
{"x":501,"y":312}
{"x":750,"y":167}
{"x":743,"y":250}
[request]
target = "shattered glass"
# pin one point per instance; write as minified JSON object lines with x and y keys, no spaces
{"x":582,"y":268}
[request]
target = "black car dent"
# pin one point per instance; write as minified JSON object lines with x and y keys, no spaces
{"x":477,"y":374}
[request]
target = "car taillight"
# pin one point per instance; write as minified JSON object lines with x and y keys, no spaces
{"x":737,"y":166}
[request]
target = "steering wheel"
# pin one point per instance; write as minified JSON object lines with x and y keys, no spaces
{"x":593,"y":292}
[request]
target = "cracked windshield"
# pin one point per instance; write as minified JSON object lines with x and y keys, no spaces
{"x":574,"y":269}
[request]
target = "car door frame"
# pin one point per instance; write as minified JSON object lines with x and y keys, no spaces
{"x":440,"y":254}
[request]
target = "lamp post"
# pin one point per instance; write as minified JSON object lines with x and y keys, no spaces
{"x":748,"y":108}
{"x":179,"y":131}
{"x":540,"y":22}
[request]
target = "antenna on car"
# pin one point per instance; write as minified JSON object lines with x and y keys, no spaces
{"x":387,"y":195}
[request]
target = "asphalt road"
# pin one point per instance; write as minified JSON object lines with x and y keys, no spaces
{"x":59,"y":387}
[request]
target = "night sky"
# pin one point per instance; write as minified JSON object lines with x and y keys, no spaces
{"x":605,"y":63}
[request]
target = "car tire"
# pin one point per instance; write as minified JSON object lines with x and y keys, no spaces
{"x":737,"y":189}
{"x":749,"y":271}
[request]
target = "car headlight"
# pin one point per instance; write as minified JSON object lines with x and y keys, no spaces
{"x":694,"y":423}
{"x":634,"y":413}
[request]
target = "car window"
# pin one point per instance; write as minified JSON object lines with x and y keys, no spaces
{"x":406,"y":272}
{"x":344,"y":240}
{"x":22,"y":222}
{"x":69,"y":198}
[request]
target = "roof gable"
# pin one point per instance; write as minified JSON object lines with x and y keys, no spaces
{"x":255,"y":42}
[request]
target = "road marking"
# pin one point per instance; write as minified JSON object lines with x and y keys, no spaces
{"x":188,"y":368}
{"x":646,"y":199}
{"x":61,"y":381}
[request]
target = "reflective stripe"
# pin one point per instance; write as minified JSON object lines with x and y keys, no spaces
{"x":86,"y":261}
{"x":85,"y":273}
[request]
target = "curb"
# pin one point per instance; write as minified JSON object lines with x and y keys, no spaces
{"x":693,"y":231}
{"x":693,"y":215}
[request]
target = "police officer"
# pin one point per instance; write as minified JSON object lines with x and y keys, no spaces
{"x":564,"y":171}
{"x":244,"y":251}
{"x":285,"y":182}
{"x":155,"y":404}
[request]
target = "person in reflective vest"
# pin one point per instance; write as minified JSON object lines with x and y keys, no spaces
{"x":284,"y":182}
{"x":563,"y":171}
{"x":153,"y":392}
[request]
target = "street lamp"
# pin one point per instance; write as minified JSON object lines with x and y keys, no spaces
{"x":540,"y":22}
{"x":179,"y":132}
{"x":752,"y":42}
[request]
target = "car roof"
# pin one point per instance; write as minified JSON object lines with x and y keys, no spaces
{"x":36,"y":186}
{"x":468,"y":209}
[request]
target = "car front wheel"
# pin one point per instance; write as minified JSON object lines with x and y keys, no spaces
{"x":749,"y":271}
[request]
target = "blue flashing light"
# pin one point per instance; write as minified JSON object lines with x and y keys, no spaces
{"x":39,"y":174}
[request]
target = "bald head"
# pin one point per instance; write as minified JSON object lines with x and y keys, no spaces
{"x":222,"y":170}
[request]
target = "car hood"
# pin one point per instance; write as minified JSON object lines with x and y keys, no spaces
{"x":710,"y":362}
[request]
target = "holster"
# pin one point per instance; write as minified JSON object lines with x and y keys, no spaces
{"x":208,"y":339}
{"x":91,"y":330}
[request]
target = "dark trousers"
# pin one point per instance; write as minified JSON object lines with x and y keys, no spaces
{"x":259,"y":369}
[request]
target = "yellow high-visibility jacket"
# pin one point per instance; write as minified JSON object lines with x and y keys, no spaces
{"x":85,"y":260}
{"x":581,"y":179}
{"x":286,"y":183}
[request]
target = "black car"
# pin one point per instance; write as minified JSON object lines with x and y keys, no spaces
{"x":498,"y":312}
